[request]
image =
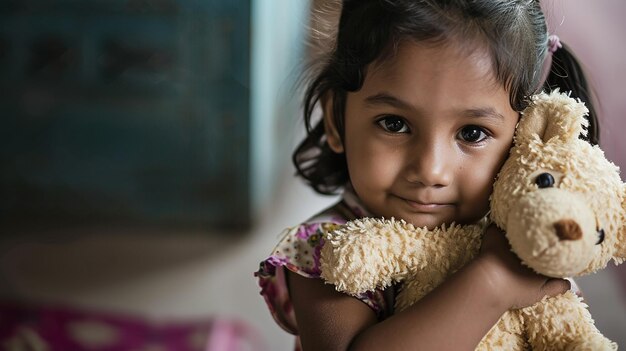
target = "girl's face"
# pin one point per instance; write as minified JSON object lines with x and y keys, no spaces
{"x":426,"y":135}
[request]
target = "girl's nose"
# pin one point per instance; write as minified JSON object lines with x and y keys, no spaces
{"x":430,"y":164}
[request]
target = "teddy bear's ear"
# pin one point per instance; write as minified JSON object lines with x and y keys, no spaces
{"x":553,"y":115}
{"x":620,"y":254}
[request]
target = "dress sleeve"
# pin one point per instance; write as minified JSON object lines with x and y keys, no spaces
{"x":299,"y":252}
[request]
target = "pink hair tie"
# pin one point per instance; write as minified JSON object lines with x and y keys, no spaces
{"x":554,"y":43}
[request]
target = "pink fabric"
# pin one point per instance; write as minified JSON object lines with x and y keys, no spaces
{"x":230,"y":335}
{"x":60,"y":328}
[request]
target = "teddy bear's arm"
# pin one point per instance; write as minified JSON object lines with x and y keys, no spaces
{"x":368,"y":253}
{"x":372,"y":253}
{"x":563,"y":322}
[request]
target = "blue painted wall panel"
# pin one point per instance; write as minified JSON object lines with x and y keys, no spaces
{"x":125,"y":110}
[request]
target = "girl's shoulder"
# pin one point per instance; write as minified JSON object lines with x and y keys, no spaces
{"x":299,"y":247}
{"x":298,"y":251}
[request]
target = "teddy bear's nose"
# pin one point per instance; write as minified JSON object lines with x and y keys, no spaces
{"x":568,"y":229}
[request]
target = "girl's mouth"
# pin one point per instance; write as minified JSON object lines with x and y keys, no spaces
{"x":426,"y":207}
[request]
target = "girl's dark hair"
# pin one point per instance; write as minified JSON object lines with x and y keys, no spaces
{"x":513,"y":31}
{"x":566,"y":74}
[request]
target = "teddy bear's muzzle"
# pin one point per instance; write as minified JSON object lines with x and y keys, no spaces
{"x":554,"y":231}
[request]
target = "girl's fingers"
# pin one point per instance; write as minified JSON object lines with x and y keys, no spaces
{"x":556,"y":286}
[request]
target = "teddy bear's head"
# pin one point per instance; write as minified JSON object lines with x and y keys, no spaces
{"x":560,"y":201}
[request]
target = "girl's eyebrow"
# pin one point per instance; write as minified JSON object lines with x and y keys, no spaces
{"x":488,"y":112}
{"x":387,"y":99}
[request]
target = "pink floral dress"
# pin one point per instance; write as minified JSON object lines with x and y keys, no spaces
{"x":299,"y":251}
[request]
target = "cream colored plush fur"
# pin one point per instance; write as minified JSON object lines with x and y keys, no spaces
{"x":555,"y":229}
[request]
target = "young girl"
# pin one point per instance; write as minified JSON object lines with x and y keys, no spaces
{"x":420,"y":100}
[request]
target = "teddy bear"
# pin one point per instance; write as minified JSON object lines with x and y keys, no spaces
{"x":562,"y":205}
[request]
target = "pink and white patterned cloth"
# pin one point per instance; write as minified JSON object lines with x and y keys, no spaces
{"x":39,"y":327}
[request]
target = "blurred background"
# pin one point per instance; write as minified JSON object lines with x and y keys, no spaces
{"x":145,"y":165}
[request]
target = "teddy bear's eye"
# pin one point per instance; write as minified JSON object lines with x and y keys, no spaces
{"x":544,"y":180}
{"x":600,"y":236}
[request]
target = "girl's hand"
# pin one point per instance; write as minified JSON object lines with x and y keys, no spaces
{"x":516,"y":285}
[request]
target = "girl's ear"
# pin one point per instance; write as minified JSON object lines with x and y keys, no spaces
{"x":553,"y":115}
{"x":332,"y":134}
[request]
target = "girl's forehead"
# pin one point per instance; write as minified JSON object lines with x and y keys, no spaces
{"x":440,"y":63}
{"x":436,"y":80}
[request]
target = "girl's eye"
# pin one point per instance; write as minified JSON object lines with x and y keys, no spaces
{"x":473,"y":134}
{"x":393,"y":125}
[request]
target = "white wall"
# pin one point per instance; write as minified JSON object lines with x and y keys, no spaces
{"x":278,"y":31}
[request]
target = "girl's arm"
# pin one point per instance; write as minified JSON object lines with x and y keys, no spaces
{"x":454,"y":316}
